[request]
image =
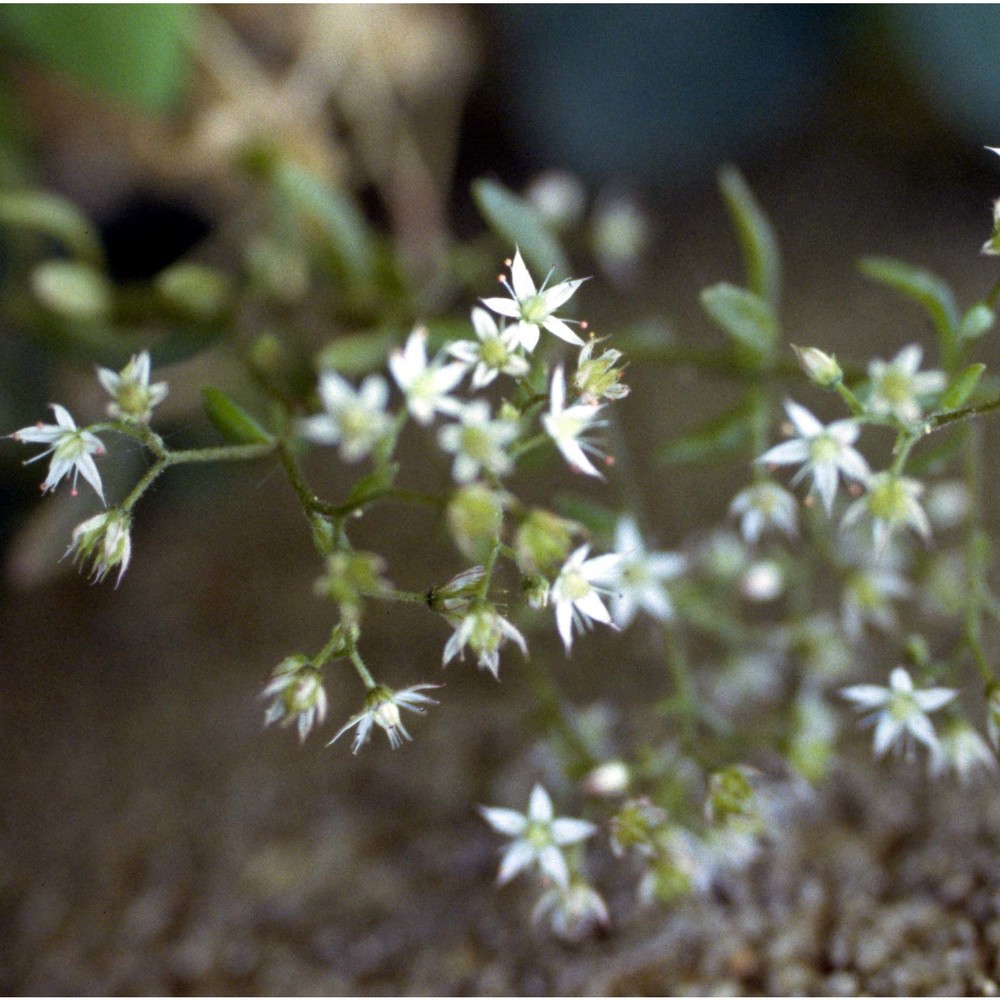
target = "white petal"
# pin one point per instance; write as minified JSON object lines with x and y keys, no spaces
{"x":887,"y":731}
{"x":867,"y":695}
{"x":802,"y":420}
{"x":555,"y":296}
{"x":786,"y":453}
{"x":503,"y":307}
{"x":934,"y":698}
{"x":524,"y":287}
{"x":553,"y":864}
{"x":516,"y":858}
{"x":571,"y":831}
{"x":563,"y":331}
{"x":505,"y":821}
{"x":564,"y":622}
{"x":540,"y":805}
{"x":593,"y":607}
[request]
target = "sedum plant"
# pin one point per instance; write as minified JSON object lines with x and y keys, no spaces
{"x":850,"y":571}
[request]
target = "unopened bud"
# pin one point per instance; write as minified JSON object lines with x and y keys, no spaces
{"x":820,"y":367}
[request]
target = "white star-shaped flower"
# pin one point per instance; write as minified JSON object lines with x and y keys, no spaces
{"x":897,"y":385}
{"x":576,"y":599}
{"x":381,"y":709}
{"x":425,"y":384}
{"x":354,"y":418}
{"x":71,"y":450}
{"x":566,"y":425}
{"x":478,"y":442}
{"x":825,"y":451}
{"x":637,"y":577}
{"x":533,"y":308}
{"x":892,"y":503}
{"x":132,"y":397}
{"x":484,"y":630}
{"x":538,"y":838}
{"x":299,"y":696}
{"x":494,"y":350}
{"x":899,"y":712}
{"x":765,"y":505}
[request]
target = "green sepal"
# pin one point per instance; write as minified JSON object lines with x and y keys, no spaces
{"x":519,"y":225}
{"x":375,"y":482}
{"x":231,"y":420}
{"x":961,"y":387}
{"x":338,"y":217}
{"x":55,"y":217}
{"x":761,"y":256}
{"x":978,"y":320}
{"x":748,"y":319}
{"x":718,"y":437}
{"x":915,"y":283}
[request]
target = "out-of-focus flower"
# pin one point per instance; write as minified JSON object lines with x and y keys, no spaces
{"x":478,"y":442}
{"x":963,"y":751}
{"x":425,"y":384}
{"x":899,"y":712}
{"x":820,"y":367}
{"x":354,"y":418}
{"x":538,"y":838}
{"x":534,"y":308}
{"x":765,"y":505}
{"x":637,"y":579}
{"x":891,"y":502}
{"x":898,"y":385}
{"x":825,"y":451}
{"x":574,"y":911}
{"x":71,"y":450}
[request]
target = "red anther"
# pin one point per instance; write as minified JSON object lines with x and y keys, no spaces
{"x":41,"y":486}
{"x":787,"y":429}
{"x":507,"y":262}
{"x":583,"y":324}
{"x":38,"y":423}
{"x":810,"y":501}
{"x":74,"y":492}
{"x":500,"y":278}
{"x":609,"y":460}
{"x":854,"y":489}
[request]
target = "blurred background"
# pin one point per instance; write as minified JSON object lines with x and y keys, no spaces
{"x":152,"y":839}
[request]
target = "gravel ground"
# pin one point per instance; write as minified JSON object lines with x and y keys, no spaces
{"x":153,"y":840}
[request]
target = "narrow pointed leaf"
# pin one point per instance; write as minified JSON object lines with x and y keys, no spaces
{"x":338,"y":217}
{"x":747,"y":318}
{"x":717,"y":438}
{"x":962,"y":386}
{"x":56,"y":217}
{"x":519,"y":225}
{"x":915,"y":283}
{"x":761,"y":256}
{"x":231,"y":420}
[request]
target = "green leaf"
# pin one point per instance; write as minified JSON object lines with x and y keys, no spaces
{"x":519,"y":225}
{"x":338,"y":217}
{"x":962,"y":386}
{"x":716,"y":438}
{"x":598,"y":518}
{"x":231,"y":420}
{"x":747,"y":318}
{"x":357,"y":353}
{"x":977,"y":321}
{"x":761,"y":255}
{"x":55,"y":217}
{"x":374,"y":483}
{"x":915,"y":283}
{"x":137,"y":52}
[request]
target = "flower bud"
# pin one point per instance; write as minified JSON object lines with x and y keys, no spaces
{"x":607,"y":780}
{"x":73,"y":290}
{"x":731,"y":799}
{"x":475,"y":517}
{"x":194,"y":290}
{"x":820,"y":367}
{"x":105,"y":541}
{"x":559,"y":198}
{"x":536,"y":591}
{"x":299,"y":697}
{"x":634,"y":826}
{"x":542,"y":542}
